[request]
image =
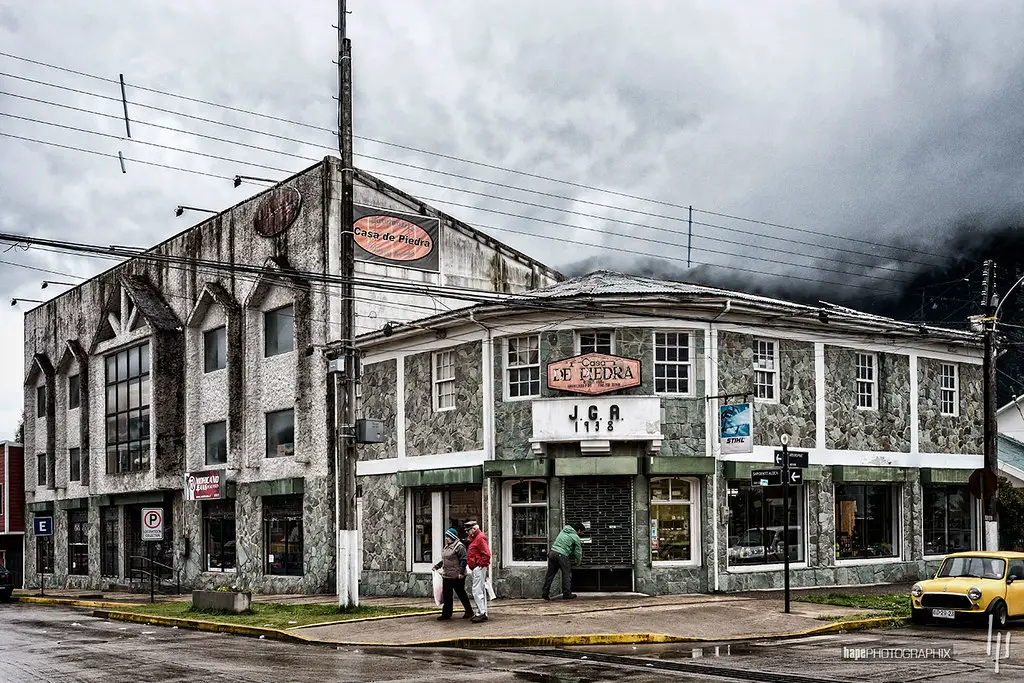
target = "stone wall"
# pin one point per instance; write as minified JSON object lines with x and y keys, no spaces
{"x":940,"y":433}
{"x":428,"y":431}
{"x":380,"y":402}
{"x":794,"y":411}
{"x":886,"y":427}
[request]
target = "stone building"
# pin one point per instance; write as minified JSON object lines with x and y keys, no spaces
{"x":599,"y":400}
{"x":192,"y":379}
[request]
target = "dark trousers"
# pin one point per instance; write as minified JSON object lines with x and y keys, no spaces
{"x":557,"y":562}
{"x":459,"y":586}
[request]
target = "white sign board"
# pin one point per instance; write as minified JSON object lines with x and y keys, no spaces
{"x":152,"y":524}
{"x":735,"y":428}
{"x":604,"y":418}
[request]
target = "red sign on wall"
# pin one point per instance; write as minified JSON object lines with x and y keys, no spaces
{"x":594,"y":373}
{"x":204,"y":485}
{"x":395,"y":238}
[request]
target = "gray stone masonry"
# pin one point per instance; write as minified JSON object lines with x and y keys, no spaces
{"x":886,"y":427}
{"x":380,"y":402}
{"x":949,"y":433}
{"x":429,"y":431}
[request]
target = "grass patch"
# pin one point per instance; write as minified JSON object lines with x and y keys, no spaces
{"x":894,"y":604}
{"x":272,"y":615}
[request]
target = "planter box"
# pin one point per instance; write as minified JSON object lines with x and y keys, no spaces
{"x":221,"y":600}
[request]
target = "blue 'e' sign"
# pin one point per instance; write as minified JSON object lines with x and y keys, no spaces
{"x":43,"y":526}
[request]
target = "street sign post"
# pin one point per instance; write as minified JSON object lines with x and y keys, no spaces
{"x":43,"y":526}
{"x":152,"y":530}
{"x":772,"y":477}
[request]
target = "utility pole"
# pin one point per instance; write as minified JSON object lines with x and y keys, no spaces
{"x":991,"y":429}
{"x":347,"y":559}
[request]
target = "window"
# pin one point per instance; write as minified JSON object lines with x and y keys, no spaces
{"x":41,"y":401}
{"x":219,"y":535}
{"x":672,"y":362}
{"x":522,"y":363}
{"x":44,"y":553}
{"x":110,"y":533}
{"x":74,"y":392}
{"x":867,"y":381}
{"x":672,"y":537}
{"x":756,"y":524}
{"x":41,"y":469}
{"x":282,"y":533}
{"x":75,"y":464}
{"x":949,"y":399}
{"x":865,"y":518}
{"x":528,"y":520}
{"x":766,"y":370}
{"x":444,"y":380}
{"x":215,"y":349}
{"x":596,"y":341}
{"x":128,"y":389}
{"x":216,"y":443}
{"x":434,"y":511}
{"x":278,"y":331}
{"x":78,"y":542}
{"x":281,"y":433}
{"x":423,"y":526}
{"x":947,"y":519}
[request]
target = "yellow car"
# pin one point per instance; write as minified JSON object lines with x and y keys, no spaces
{"x":972,"y":585}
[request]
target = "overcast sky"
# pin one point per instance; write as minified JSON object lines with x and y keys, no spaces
{"x":879,"y":121}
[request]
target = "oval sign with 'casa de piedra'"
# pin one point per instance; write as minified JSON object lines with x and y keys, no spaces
{"x":594,"y":373}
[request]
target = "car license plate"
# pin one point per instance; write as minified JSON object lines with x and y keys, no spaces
{"x":943,"y":614}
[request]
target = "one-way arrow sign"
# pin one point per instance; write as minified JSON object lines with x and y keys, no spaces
{"x":796,"y":458}
{"x":796,"y":477}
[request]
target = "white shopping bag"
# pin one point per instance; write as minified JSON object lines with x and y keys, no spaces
{"x":490,"y":590}
{"x":438,"y":586}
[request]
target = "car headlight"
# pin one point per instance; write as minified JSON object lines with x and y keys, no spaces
{"x":974,"y":594}
{"x":917,"y":591}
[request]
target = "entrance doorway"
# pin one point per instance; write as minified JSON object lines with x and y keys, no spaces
{"x":605,"y":506}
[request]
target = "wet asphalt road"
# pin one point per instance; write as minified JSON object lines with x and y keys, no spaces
{"x":54,"y":644}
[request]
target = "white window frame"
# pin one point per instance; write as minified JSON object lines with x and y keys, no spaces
{"x":443,"y":387}
{"x":695,"y":506}
{"x":690,"y":380}
{"x":596,"y":332}
{"x":507,"y":368}
{"x":774,"y":370}
{"x":866,"y":387}
{"x":436,"y":530}
{"x":955,"y":389}
{"x":506,"y":526}
{"x":896,"y":496}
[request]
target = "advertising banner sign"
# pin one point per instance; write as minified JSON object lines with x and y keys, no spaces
{"x":594,"y":373}
{"x":207,"y":485}
{"x":736,"y":431}
{"x":394,"y":238}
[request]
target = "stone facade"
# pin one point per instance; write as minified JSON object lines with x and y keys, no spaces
{"x":429,"y":430}
{"x":886,"y":427}
{"x":959,"y":433}
{"x":380,"y":401}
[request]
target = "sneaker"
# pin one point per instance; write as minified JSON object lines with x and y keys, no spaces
{"x":443,"y":618}
{"x":467,"y":615}
{"x":570,"y":596}
{"x":479,"y":618}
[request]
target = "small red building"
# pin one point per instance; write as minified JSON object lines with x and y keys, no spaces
{"x":12,"y":509}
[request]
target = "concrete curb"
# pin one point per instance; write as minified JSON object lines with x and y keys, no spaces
{"x":71,"y":602}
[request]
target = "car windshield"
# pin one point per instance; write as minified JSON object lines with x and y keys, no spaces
{"x":976,"y":567}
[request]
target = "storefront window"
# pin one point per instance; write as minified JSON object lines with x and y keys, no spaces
{"x":756,"y":524}
{"x":865,"y":520}
{"x":947,"y":519}
{"x":78,"y":542}
{"x":433,"y":511}
{"x":423,"y":526}
{"x":671,"y":510}
{"x":44,"y":554}
{"x":528,"y":517}
{"x":219,"y":535}
{"x":282,"y":531}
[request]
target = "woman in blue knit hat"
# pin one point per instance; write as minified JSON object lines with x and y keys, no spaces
{"x":453,"y":573}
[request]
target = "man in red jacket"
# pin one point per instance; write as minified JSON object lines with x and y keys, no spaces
{"x":478,"y":558}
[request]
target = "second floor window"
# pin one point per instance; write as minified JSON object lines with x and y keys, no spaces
{"x":596,"y":341}
{"x":522,"y":366}
{"x":949,"y":390}
{"x":216,"y":443}
{"x":215,"y":349}
{"x":444,"y":380}
{"x":672,"y":363}
{"x":41,"y":469}
{"x":127,"y":410}
{"x":867,"y":381}
{"x":75,"y":464}
{"x":41,"y":401}
{"x":281,"y":433}
{"x":74,"y":392}
{"x":766,"y":370}
{"x":278,"y":330}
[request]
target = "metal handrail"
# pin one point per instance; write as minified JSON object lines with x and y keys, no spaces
{"x":149,"y":572}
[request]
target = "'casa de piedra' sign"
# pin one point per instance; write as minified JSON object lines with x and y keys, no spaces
{"x":593,"y":373}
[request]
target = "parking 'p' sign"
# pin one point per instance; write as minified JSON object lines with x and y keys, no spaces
{"x":152,"y":524}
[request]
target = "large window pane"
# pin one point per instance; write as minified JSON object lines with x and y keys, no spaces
{"x":528,"y":512}
{"x":215,"y":349}
{"x":282,"y":532}
{"x":865,"y":517}
{"x":423,"y":526}
{"x":127,"y":409}
{"x":670,"y":520}
{"x":219,"y":535}
{"x":74,"y":392}
{"x":279,"y":328}
{"x":947,"y":519}
{"x":75,"y":464}
{"x":461,"y":506}
{"x":78,"y":542}
{"x":216,"y":443}
{"x":756,"y":524}
{"x":281,"y":433}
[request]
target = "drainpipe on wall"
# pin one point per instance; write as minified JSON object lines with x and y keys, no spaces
{"x":488,"y":417}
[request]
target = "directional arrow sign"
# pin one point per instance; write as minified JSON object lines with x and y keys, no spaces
{"x":796,"y":477}
{"x":796,"y":458}
{"x":766,"y":477}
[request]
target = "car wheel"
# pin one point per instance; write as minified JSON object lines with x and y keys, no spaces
{"x":918,"y":616}
{"x":6,"y":596}
{"x":998,"y":611}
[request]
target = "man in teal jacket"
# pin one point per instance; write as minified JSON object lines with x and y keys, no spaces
{"x":566,"y":551}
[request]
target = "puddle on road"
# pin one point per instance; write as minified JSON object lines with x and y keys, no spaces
{"x":547,"y":678}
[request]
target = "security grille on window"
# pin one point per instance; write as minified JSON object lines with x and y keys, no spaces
{"x":528,"y":513}
{"x":110,"y":531}
{"x":672,"y":362}
{"x":523,"y":366}
{"x":766,"y":372}
{"x":41,"y":469}
{"x":596,"y":341}
{"x":75,"y":464}
{"x":216,"y":443}
{"x":444,"y":380}
{"x":127,"y":400}
{"x":279,"y":331}
{"x":78,"y":542}
{"x":757,"y":525}
{"x":281,"y":433}
{"x":41,"y":401}
{"x":671,"y":501}
{"x":215,"y":349}
{"x":947,"y":519}
{"x":949,"y":393}
{"x":282,"y":533}
{"x":865,"y":519}
{"x":867,"y":381}
{"x":219,"y":535}
{"x":74,"y":392}
{"x":44,"y":554}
